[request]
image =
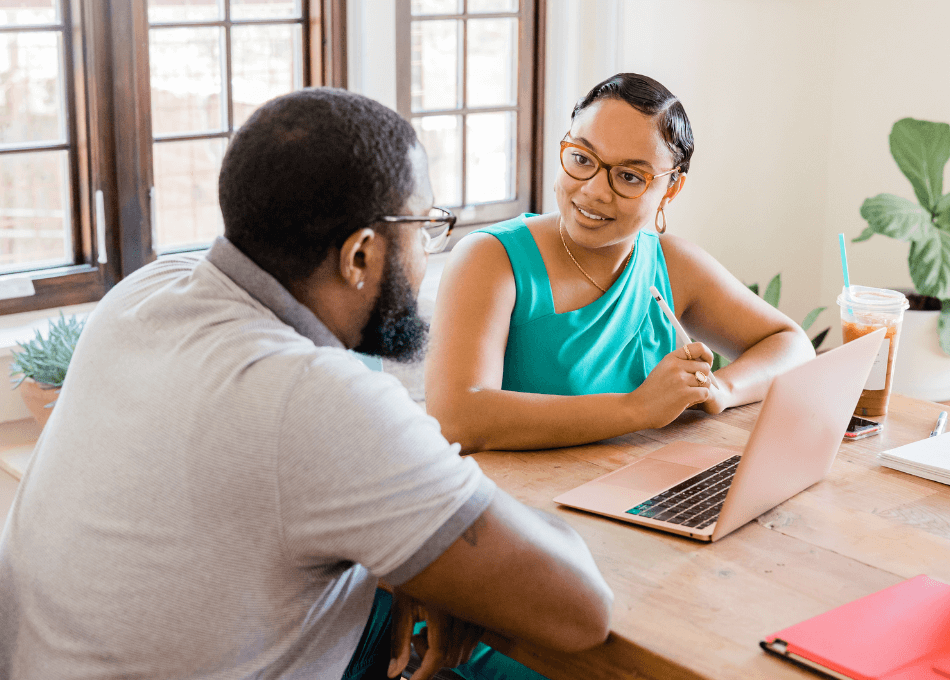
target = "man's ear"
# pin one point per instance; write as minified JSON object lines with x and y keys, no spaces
{"x":674,"y":189}
{"x":361,"y":257}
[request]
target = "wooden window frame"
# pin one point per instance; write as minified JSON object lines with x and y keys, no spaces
{"x":110,"y":136}
{"x":530,"y":127}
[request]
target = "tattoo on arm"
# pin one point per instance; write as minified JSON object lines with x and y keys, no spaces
{"x":471,"y":534}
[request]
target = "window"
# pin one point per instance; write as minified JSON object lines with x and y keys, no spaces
{"x":114,"y":118}
{"x":211,"y":65}
{"x":41,"y":161}
{"x":466,"y":79}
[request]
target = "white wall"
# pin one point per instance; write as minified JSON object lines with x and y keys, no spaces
{"x":791,"y":103}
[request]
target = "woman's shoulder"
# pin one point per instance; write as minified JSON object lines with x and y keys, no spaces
{"x":681,"y":253}
{"x":479,"y":258}
{"x":512,"y":225}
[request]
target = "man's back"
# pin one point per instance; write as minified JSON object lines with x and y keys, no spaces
{"x":212,"y":496}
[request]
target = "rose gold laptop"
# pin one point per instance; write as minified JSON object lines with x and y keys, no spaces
{"x":705,"y":492}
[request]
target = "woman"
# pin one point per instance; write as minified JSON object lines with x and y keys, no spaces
{"x":545,"y":333}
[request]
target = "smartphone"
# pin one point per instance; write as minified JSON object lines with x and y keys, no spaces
{"x":859,"y":428}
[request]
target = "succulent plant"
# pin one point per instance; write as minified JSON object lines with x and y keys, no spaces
{"x":45,"y":360}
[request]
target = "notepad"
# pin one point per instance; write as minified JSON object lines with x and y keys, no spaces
{"x":899,"y":633}
{"x":928,"y":458}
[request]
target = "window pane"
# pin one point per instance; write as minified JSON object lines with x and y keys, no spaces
{"x":34,"y":210}
{"x":490,"y":159}
{"x":436,"y":6}
{"x":435,"y":65}
{"x":186,"y":181}
{"x":186,"y":80}
{"x":184,"y":10}
{"x":441,"y":136}
{"x":25,"y":12}
{"x":492,"y":70}
{"x":265,"y":9}
{"x":265,"y":63}
{"x":32,"y":103}
{"x":475,"y":6}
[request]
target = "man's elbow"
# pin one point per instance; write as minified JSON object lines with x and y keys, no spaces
{"x":590,"y":624}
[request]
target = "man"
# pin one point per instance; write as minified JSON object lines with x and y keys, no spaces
{"x":222,"y":486}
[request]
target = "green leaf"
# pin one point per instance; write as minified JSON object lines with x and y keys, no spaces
{"x":773,"y":291}
{"x":46,"y":359}
{"x":921,"y":149}
{"x":943,"y":326}
{"x":754,"y":287}
{"x":896,"y":217}
{"x":929,"y":263}
{"x":812,"y":315}
{"x":719,"y":361}
{"x":820,"y":338}
{"x":942,"y":212}
{"x":864,"y":235}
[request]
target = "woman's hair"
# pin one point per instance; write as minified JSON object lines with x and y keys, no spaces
{"x":652,"y":99}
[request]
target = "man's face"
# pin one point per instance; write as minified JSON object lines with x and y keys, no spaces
{"x":394,"y":329}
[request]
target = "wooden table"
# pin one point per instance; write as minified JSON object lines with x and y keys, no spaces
{"x":684,"y":609}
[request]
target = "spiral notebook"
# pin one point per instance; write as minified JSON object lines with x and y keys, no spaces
{"x":899,"y":633}
{"x":928,"y":458}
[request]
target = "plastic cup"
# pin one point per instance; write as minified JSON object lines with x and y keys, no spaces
{"x":863,"y":311}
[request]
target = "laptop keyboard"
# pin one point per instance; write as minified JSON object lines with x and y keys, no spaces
{"x":694,"y":503}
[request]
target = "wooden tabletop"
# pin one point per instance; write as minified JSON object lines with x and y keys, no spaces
{"x":685,"y":609}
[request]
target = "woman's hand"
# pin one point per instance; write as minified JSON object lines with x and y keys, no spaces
{"x":675,"y":385}
{"x":445,"y":642}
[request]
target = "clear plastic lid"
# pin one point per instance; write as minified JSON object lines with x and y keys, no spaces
{"x":879,"y":300}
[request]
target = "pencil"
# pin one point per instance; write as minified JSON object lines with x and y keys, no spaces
{"x":680,"y":333}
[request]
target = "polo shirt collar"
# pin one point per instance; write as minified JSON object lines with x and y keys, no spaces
{"x":269,"y":292}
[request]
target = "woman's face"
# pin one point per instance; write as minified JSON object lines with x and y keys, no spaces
{"x":618,"y":134}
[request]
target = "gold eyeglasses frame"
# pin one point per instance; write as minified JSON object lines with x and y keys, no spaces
{"x":647,"y":177}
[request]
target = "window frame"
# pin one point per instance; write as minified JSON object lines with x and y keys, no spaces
{"x":110,"y":136}
{"x":530,"y":126}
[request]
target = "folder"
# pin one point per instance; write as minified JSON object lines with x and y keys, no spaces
{"x":928,"y":458}
{"x":899,"y":633}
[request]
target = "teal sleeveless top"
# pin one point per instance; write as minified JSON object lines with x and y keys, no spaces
{"x":611,"y":345}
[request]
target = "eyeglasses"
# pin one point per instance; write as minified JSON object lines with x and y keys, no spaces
{"x":581,"y":163}
{"x":436,"y":227}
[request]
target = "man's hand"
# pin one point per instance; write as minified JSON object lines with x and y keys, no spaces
{"x":445,"y":642}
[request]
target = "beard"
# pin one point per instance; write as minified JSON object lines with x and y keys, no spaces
{"x":394,"y":329}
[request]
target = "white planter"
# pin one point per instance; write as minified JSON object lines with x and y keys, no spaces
{"x":921,"y":369}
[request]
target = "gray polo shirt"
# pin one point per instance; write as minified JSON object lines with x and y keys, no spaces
{"x":218,"y":490}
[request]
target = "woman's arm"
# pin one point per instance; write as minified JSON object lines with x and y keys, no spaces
{"x":718,"y":309}
{"x":465,"y":362}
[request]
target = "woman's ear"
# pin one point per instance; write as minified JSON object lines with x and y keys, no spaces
{"x":674,"y":189}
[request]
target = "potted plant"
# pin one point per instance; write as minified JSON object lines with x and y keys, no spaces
{"x":42,"y":363}
{"x":921,"y":149}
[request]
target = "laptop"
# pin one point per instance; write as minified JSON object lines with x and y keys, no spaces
{"x":706,"y":492}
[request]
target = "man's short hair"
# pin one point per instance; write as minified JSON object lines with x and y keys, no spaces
{"x":307,"y":170}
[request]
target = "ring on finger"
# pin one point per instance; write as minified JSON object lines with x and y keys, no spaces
{"x":689,"y":356}
{"x":701,"y":377}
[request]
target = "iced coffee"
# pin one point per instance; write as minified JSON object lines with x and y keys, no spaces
{"x":863,"y":311}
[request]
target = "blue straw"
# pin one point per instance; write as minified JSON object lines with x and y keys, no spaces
{"x":844,"y":261}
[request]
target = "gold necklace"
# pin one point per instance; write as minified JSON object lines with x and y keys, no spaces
{"x":560,"y":231}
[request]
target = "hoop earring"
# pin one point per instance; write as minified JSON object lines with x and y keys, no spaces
{"x":656,"y":222}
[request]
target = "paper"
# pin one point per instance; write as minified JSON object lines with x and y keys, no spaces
{"x":928,"y":458}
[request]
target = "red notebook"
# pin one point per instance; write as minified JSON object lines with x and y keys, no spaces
{"x":899,"y":633}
